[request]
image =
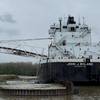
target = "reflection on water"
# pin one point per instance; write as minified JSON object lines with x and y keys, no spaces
{"x":85,"y":93}
{"x":36,"y":98}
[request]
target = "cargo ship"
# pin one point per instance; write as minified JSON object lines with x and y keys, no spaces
{"x":71,"y":54}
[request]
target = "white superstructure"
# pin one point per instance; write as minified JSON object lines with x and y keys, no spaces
{"x":72,"y":40}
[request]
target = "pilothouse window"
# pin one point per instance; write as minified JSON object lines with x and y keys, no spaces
{"x":73,"y":29}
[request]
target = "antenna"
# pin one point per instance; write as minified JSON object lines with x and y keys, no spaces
{"x":83,"y":20}
{"x":79,"y":23}
{"x":60,"y":22}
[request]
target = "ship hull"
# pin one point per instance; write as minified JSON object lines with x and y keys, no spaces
{"x":76,"y":72}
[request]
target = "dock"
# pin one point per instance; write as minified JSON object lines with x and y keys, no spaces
{"x":33,"y":90}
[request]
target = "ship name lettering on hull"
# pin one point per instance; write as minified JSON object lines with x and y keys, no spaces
{"x":80,"y":64}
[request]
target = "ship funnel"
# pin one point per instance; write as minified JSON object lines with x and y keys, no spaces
{"x":70,"y":20}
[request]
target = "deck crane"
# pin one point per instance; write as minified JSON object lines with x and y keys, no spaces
{"x":19,"y":52}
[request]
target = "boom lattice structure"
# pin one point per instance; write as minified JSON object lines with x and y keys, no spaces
{"x":19,"y":52}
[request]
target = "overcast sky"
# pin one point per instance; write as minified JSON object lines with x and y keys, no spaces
{"x":32,"y":18}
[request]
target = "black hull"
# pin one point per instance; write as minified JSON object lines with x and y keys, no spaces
{"x":75,"y":72}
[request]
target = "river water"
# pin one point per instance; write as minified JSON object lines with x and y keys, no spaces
{"x":82,"y":93}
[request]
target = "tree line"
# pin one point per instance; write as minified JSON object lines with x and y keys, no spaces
{"x":21,"y":68}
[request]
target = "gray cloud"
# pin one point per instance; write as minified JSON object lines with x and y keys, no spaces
{"x":7,"y":18}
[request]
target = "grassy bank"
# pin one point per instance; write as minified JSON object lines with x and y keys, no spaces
{"x":18,"y":68}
